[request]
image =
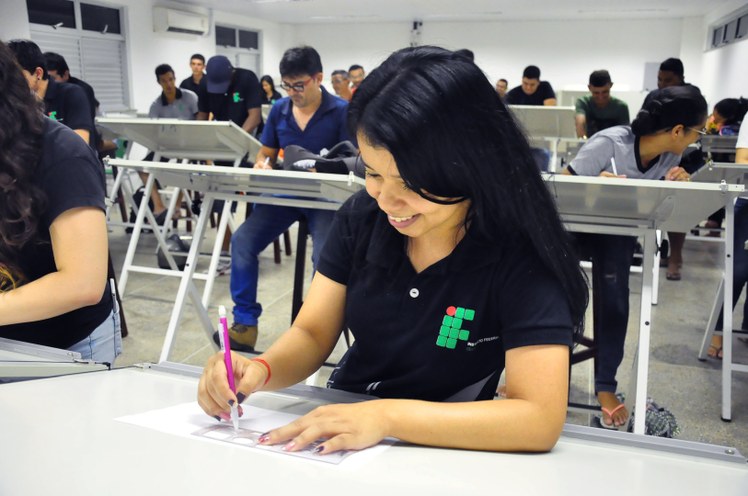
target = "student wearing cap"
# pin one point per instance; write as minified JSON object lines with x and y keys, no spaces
{"x":532,"y":91}
{"x":63,"y":102}
{"x":197,"y":66}
{"x":53,"y":235}
{"x":230,"y":94}
{"x":309,"y":117}
{"x":599,"y":110}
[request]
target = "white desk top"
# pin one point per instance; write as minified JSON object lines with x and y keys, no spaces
{"x":64,"y":440}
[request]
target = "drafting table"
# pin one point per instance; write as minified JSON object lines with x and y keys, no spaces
{"x":547,"y":123}
{"x":273,"y":187}
{"x":639,"y":207}
{"x":730,"y":173}
{"x":19,"y":360}
{"x":712,"y":143}
{"x":81,"y":449}
{"x":187,"y":140}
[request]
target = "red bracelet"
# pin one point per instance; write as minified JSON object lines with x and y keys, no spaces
{"x":260,"y":360}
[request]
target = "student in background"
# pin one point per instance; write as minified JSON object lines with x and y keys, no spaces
{"x":57,"y":68}
{"x":671,"y":74}
{"x":63,"y":102}
{"x":357,"y":75}
{"x":341,"y":83}
{"x":532,"y":91}
{"x":599,"y":110}
{"x":311,"y":118}
{"x":502,"y":85}
{"x":269,"y":94}
{"x":197,"y":66}
{"x":53,"y":236}
{"x":740,"y":238}
{"x":172,"y":103}
{"x":650,"y":148}
{"x":450,"y":267}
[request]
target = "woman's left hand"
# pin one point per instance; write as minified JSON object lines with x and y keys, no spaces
{"x":677,"y":174}
{"x":352,"y":426}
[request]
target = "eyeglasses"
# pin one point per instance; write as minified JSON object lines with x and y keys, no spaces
{"x":701,"y":131}
{"x":298,"y":86}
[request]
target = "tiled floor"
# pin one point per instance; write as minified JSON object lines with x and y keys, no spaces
{"x":689,"y":388}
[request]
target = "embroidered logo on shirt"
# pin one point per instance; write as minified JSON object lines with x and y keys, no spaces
{"x":53,"y":115}
{"x":451,"y":329}
{"x":237,"y":97}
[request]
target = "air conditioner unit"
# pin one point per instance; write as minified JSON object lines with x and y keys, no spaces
{"x":178,"y":21}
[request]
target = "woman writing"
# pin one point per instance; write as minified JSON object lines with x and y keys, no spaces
{"x":53,"y":236}
{"x":651,"y":148}
{"x":450,"y":267}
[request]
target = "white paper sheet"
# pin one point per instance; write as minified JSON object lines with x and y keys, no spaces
{"x":188,"y":420}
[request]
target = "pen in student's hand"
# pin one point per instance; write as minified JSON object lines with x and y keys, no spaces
{"x":613,"y":165}
{"x":267,"y":161}
{"x":226,"y":348}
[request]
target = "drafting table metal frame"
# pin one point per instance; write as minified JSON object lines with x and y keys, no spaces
{"x":547,"y":123}
{"x":299,"y":189}
{"x":187,"y":140}
{"x":26,"y":360}
{"x":638,"y":207}
{"x":160,"y":463}
{"x":731,"y":173}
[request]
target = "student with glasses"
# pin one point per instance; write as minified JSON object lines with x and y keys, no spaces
{"x":313,"y":119}
{"x":450,"y":265}
{"x":650,"y":148}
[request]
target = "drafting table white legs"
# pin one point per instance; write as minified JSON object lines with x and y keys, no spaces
{"x":186,"y":285}
{"x":724,"y":296}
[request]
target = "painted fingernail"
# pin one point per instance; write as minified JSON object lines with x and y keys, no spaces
{"x":240,"y":397}
{"x":225,"y":416}
{"x":289,"y":446}
{"x":264,"y":438}
{"x":241,"y":411}
{"x":319,"y":449}
{"x":231,"y":402}
{"x":217,"y":417}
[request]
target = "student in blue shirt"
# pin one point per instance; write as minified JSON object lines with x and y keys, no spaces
{"x":450,"y":267}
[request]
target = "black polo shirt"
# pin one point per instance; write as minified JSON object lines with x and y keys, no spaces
{"x":518,"y":97}
{"x":189,"y":84}
{"x":67,"y":103}
{"x":439,"y":335}
{"x":70,"y":176}
{"x":243,"y":94}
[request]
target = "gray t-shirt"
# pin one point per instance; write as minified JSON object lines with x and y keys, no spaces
{"x":184,"y":107}
{"x":619,"y":143}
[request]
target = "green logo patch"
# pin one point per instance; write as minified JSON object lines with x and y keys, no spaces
{"x":237,"y":97}
{"x":451,"y":329}
{"x":53,"y":115}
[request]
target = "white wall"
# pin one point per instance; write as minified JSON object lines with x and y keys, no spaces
{"x":147,"y":49}
{"x":14,"y":20}
{"x":566,"y":52}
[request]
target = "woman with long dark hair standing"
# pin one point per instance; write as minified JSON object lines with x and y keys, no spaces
{"x":53,"y":236}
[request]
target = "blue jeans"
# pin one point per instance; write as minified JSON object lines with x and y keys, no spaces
{"x":739,"y":260}
{"x":611,"y":264}
{"x":265,"y":224}
{"x":104,"y":344}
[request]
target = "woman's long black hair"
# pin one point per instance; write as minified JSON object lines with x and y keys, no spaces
{"x":21,"y":127}
{"x":451,"y":136}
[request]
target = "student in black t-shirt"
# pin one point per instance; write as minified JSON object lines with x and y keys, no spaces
{"x":440,"y":275}
{"x":532,"y":91}
{"x":53,"y":236}
{"x":63,"y":102}
{"x":194,"y":82}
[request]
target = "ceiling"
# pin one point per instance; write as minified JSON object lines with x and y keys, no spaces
{"x":341,"y":11}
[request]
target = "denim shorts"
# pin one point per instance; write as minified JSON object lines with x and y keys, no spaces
{"x":104,"y":344}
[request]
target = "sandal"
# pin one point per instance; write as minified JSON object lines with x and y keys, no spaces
{"x":610,"y":413}
{"x":717,"y":352}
